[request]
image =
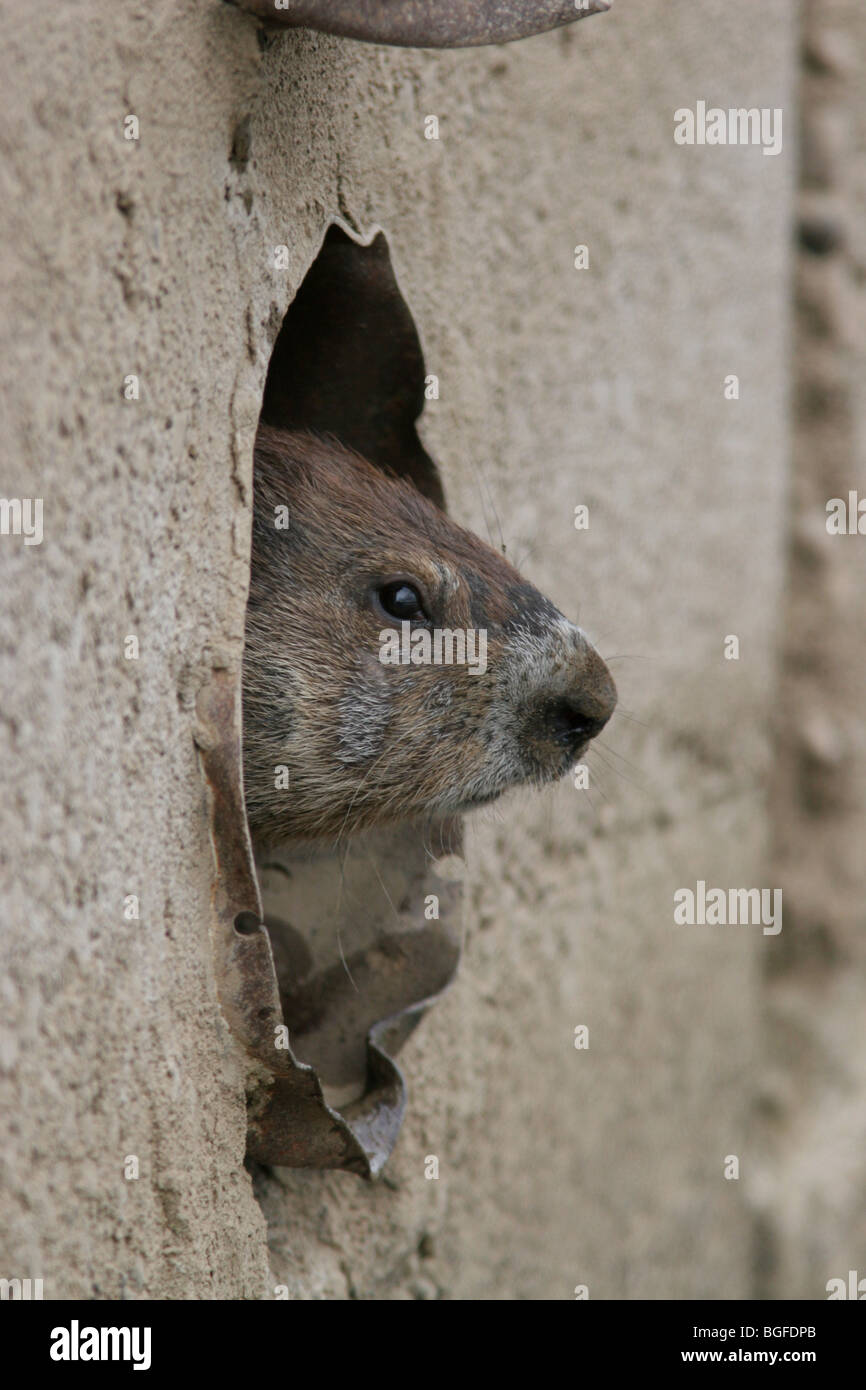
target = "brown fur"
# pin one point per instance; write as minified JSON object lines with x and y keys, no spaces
{"x":366,"y":742}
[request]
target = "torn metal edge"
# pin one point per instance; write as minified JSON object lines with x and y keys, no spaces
{"x":406,"y":24}
{"x":292,"y":1126}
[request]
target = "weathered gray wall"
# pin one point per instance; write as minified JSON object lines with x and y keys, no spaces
{"x":810,"y":1190}
{"x":558,"y":386}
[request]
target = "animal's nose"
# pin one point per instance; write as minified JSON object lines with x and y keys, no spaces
{"x":573,"y":723}
{"x":577,"y":713}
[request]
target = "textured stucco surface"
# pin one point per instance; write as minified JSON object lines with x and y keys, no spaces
{"x":811,"y":1191}
{"x":558,"y":387}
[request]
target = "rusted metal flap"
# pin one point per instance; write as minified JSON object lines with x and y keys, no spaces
{"x":363,"y":946}
{"x":438,"y":24}
{"x":331,"y":1015}
{"x":243,"y":962}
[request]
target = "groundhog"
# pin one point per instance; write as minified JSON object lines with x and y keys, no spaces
{"x":396,"y":667}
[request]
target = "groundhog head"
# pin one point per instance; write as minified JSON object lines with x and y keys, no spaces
{"x":395,"y":667}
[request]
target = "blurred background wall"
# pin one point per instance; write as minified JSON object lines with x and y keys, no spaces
{"x":603,"y":1167}
{"x":811,"y":1194}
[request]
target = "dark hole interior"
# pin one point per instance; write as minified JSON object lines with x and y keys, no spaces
{"x":347,"y":361}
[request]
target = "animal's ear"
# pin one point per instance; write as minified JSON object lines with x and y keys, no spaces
{"x":348,"y":362}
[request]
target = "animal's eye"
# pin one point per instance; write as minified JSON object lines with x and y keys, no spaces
{"x":402,"y":601}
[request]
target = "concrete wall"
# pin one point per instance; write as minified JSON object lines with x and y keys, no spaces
{"x":559,"y":386}
{"x":810,"y":1191}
